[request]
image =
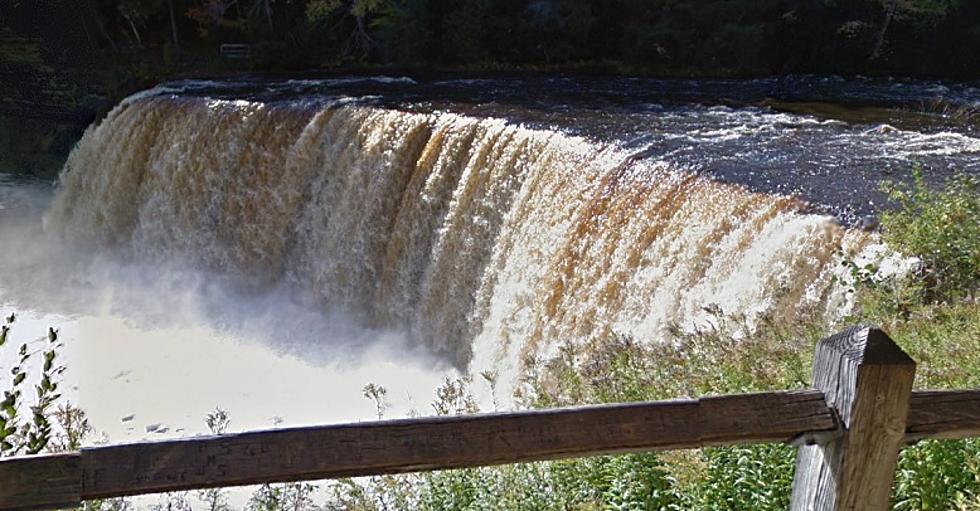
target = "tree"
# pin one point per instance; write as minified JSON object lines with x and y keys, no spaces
{"x":130,"y":12}
{"x":173,"y":26}
{"x":262,"y":8}
{"x":211,"y":13}
{"x":359,"y":41}
{"x":920,"y":10}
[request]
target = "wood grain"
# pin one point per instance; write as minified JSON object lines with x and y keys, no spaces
{"x":47,"y":481}
{"x":867,"y":379}
{"x":947,"y":414}
{"x":449,"y":442}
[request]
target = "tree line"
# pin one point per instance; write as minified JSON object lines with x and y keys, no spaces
{"x":668,"y":37}
{"x":652,"y":37}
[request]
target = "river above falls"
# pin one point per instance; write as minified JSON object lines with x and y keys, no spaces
{"x":830,"y":140}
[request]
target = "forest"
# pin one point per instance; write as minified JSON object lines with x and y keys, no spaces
{"x":653,"y":37}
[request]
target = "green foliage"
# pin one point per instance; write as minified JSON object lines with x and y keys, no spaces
{"x":33,"y":434}
{"x":716,"y":37}
{"x":172,"y":501}
{"x":636,"y":481}
{"x":735,"y":476}
{"x":319,"y":10}
{"x":629,"y":482}
{"x":217,"y":421}
{"x":942,"y":228}
{"x":377,"y":394}
{"x":403,"y":30}
{"x":453,"y":397}
{"x":216,"y":499}
{"x":74,"y":428}
{"x":933,"y":474}
{"x":922,"y":8}
{"x":467,"y":28}
{"x":934,"y":317}
{"x":281,"y":497}
{"x":617,"y":369}
{"x":107,"y":505}
{"x":53,"y":425}
{"x":941,"y":337}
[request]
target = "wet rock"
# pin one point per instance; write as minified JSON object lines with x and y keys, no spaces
{"x":868,"y":223}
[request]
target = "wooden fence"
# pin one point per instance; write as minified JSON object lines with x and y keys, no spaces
{"x":849,"y":429}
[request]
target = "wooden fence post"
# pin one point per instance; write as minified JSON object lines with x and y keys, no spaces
{"x":867,"y":379}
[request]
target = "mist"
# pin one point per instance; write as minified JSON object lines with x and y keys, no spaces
{"x":152,"y":348}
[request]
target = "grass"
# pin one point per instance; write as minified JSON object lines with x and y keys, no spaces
{"x":931,"y":474}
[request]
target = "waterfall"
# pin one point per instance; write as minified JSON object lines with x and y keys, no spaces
{"x":488,"y":241}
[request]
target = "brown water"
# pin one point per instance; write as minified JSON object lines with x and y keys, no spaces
{"x":477,"y":236}
{"x":486,"y":221}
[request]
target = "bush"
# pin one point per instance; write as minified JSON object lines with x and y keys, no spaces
{"x":19,"y":436}
{"x":942,"y":229}
{"x":935,"y":474}
{"x":758,"y":476}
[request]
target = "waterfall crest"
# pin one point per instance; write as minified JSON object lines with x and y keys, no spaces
{"x":488,"y":241}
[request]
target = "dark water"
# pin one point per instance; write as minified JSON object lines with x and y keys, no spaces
{"x":829,"y":140}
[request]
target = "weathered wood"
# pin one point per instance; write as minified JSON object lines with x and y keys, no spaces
{"x":47,"y":481}
{"x":945,"y":414}
{"x":448,"y":442}
{"x":710,"y":421}
{"x":867,"y":380}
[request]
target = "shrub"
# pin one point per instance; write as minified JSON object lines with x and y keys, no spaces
{"x":942,"y":229}
{"x":759,"y":477}
{"x":935,"y":474}
{"x":19,"y":436}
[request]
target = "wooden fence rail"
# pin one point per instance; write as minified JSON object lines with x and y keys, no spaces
{"x":849,"y":429}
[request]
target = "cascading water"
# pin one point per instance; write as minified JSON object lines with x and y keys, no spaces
{"x":486,"y":240}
